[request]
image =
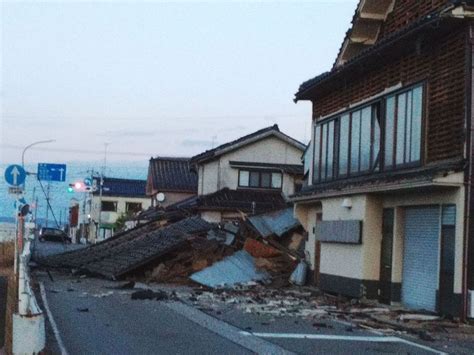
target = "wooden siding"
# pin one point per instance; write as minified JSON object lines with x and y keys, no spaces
{"x":406,"y":12}
{"x":441,"y":64}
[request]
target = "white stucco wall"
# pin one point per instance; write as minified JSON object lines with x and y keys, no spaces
{"x":111,"y":217}
{"x":218,"y":174}
{"x":363,"y":261}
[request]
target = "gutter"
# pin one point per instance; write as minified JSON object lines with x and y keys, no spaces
{"x":468,"y":173}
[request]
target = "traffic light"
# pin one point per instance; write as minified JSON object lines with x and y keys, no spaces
{"x":78,"y":186}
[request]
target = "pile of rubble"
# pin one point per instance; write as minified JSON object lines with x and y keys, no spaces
{"x":263,"y":248}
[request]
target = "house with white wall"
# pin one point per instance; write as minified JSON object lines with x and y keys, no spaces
{"x":254,"y":173}
{"x":120,"y":197}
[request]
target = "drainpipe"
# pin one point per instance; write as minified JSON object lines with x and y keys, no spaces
{"x":468,"y":174}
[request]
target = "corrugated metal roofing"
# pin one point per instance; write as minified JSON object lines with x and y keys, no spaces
{"x":275,"y":223}
{"x":238,"y":268}
{"x":123,"y":187}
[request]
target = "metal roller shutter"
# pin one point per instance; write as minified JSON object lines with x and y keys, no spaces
{"x":420,"y":258}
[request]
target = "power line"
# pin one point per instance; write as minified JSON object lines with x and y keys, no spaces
{"x":79,"y":151}
{"x":153,"y":118}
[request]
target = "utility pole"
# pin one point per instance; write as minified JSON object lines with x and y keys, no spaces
{"x":101,"y":185}
{"x":47,"y":205}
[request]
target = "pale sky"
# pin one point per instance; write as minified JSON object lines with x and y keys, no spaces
{"x":157,"y":78}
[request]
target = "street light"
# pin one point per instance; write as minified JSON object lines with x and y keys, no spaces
{"x":31,"y":145}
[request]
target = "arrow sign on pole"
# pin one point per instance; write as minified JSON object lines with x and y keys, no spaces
{"x":15,"y":175}
{"x":52,"y":172}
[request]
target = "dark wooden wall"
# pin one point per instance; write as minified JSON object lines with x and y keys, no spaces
{"x":440,"y":63}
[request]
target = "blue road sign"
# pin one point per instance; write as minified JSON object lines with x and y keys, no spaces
{"x":15,"y":175}
{"x":88,"y":181}
{"x":51,"y":172}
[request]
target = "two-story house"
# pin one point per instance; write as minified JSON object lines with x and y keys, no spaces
{"x":388,"y":201}
{"x":120,"y":197}
{"x":252,"y":174}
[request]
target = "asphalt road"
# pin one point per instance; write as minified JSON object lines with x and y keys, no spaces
{"x":92,"y":316}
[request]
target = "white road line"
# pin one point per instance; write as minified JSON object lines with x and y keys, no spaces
{"x":62,"y":348}
{"x":381,"y":339}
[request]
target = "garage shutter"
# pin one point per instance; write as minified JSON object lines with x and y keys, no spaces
{"x":420,"y":258}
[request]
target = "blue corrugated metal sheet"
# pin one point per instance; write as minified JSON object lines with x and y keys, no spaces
{"x":238,"y":268}
{"x":274,"y":223}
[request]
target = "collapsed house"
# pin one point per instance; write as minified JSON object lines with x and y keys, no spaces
{"x":387,"y":203}
{"x":188,"y":249}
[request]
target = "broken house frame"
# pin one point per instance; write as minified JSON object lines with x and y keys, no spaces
{"x":388,"y":202}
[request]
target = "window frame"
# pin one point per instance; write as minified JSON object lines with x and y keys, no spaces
{"x":375,"y":165}
{"x":129,"y":203}
{"x":260,"y":172}
{"x":115,"y":203}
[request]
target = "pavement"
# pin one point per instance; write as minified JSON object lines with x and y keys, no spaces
{"x":42,"y":249}
{"x":95,"y":316}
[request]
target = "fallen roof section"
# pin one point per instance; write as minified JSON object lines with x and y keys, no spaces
{"x":274,"y":223}
{"x":118,"y":256}
{"x":238,"y":268}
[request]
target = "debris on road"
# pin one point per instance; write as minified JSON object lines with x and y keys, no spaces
{"x":83,"y":310}
{"x":238,"y":268}
{"x":150,"y":295}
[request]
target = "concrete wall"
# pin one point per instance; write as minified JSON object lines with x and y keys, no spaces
{"x":111,"y":217}
{"x":218,"y":174}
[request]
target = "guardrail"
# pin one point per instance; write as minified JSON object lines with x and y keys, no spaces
{"x":28,"y":324}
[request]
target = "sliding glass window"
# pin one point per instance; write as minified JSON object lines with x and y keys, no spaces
{"x":380,"y":136}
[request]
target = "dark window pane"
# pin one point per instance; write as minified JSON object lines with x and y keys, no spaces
{"x":265,"y":180}
{"x":376,"y":139}
{"x":355,"y":142}
{"x":317,"y":152}
{"x":408,"y":126}
{"x":109,"y":206}
{"x":254,"y":179}
{"x":344,"y":145}
{"x":401,"y":126}
{"x":366,"y":118}
{"x":324,"y":141}
{"x":330,"y":154}
{"x":416,"y":124}
{"x":389,"y":131}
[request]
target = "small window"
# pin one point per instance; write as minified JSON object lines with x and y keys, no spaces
{"x":276,"y":180}
{"x":109,"y":206}
{"x":260,"y":179}
{"x":133,"y":207}
{"x":266,"y":177}
{"x":244,"y":178}
{"x":254,"y":179}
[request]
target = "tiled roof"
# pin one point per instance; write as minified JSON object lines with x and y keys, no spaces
{"x":250,"y":138}
{"x":379,"y":181}
{"x":122,"y":187}
{"x":293,"y":169}
{"x":420,"y":23}
{"x":130,"y":250}
{"x":247,"y":201}
{"x":171,"y":174}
